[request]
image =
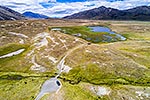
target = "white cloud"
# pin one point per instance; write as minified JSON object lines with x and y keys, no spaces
{"x":67,"y":8}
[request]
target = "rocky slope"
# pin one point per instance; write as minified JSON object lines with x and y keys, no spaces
{"x":9,"y":14}
{"x":138,"y":13}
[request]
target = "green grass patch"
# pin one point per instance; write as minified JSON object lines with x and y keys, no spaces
{"x":17,"y":62}
{"x":76,"y":92}
{"x":21,"y":86}
{"x":24,"y":89}
{"x":94,"y":75}
{"x":11,"y":48}
{"x":142,"y":55}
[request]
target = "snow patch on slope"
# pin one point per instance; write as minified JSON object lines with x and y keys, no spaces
{"x":100,"y":91}
{"x":18,"y":34}
{"x":13,"y":53}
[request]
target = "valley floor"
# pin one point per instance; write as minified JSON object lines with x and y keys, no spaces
{"x":30,"y":54}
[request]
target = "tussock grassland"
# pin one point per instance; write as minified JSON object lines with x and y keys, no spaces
{"x":121,"y":67}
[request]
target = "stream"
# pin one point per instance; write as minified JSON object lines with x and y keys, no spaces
{"x":53,"y":85}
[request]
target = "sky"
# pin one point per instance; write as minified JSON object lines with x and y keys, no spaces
{"x":61,"y":8}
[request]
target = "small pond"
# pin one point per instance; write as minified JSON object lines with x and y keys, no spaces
{"x":106,"y":29}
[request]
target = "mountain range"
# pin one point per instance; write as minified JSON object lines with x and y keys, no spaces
{"x":9,"y":14}
{"x":104,"y":13}
{"x":34,"y":15}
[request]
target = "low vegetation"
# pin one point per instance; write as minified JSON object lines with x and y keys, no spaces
{"x":121,"y":66}
{"x":11,"y":48}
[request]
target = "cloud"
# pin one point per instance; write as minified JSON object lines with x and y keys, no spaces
{"x":52,"y":1}
{"x":57,"y":8}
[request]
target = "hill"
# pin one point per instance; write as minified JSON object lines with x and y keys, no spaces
{"x":9,"y":14}
{"x":104,"y":13}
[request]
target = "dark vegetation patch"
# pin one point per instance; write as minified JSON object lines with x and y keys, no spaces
{"x":11,"y":77}
{"x":94,"y":75}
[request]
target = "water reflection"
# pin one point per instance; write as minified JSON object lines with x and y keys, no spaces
{"x":106,"y":29}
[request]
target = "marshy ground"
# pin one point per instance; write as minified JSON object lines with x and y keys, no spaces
{"x":100,"y":71}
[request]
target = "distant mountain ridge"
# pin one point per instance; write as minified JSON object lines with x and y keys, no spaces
{"x":103,"y":13}
{"x":9,"y":14}
{"x":34,"y":15}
